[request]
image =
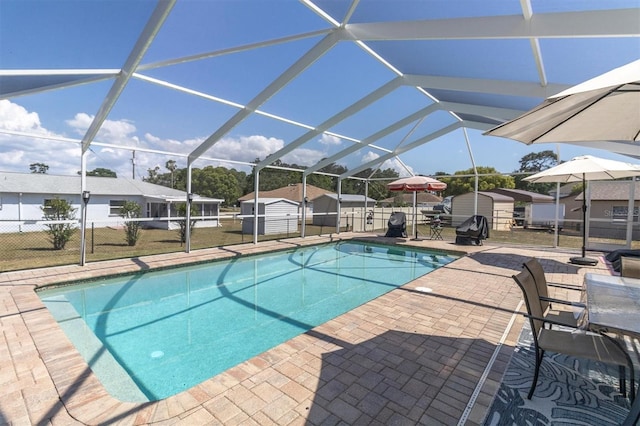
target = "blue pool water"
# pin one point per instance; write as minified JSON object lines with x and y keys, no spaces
{"x":149,"y":336}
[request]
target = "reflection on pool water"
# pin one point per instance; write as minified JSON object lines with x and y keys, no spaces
{"x":151,"y":335}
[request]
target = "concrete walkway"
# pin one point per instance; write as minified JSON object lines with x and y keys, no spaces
{"x":407,"y":357}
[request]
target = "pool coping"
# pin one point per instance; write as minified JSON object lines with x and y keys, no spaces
{"x":81,"y":397}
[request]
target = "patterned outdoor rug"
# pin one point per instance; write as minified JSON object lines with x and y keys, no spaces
{"x":570,"y":391}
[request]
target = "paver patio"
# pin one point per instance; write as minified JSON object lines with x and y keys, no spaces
{"x":407,"y":357}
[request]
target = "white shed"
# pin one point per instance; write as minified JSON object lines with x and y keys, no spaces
{"x":497,"y":208}
{"x":325,"y":208}
{"x":275,"y":216}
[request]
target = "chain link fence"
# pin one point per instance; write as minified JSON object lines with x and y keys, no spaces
{"x":28,"y":244}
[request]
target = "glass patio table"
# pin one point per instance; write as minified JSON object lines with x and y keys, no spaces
{"x":613,"y":306}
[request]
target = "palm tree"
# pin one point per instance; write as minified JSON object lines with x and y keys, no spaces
{"x":171,"y":166}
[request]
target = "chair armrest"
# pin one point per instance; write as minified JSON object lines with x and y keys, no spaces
{"x":549,"y":321}
{"x":564,"y":302}
{"x":565,"y":286}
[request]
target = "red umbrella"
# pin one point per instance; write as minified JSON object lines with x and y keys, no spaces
{"x":416,"y":184}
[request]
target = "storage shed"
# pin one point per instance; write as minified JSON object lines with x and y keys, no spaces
{"x":275,"y":216}
{"x":497,"y":208}
{"x":325,"y":208}
{"x":524,"y":196}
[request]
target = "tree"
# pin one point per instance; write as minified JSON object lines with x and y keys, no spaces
{"x":538,"y":161}
{"x":271,"y":178}
{"x":171,"y":166}
{"x":377,"y":188}
{"x":535,"y":162}
{"x":216,"y":182}
{"x":153,"y":174}
{"x":40,"y":168}
{"x":58,"y":210}
{"x":101,"y":172}
{"x":181,"y":209}
{"x":131,"y":210}
{"x":464,"y":184}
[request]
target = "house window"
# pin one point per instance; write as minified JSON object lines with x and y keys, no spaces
{"x":208,"y":209}
{"x":619,"y":213}
{"x":47,"y":206}
{"x":115,"y":206}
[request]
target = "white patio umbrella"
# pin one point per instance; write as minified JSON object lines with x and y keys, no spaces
{"x":416,"y":184}
{"x":583,"y":169}
{"x":603,"y":112}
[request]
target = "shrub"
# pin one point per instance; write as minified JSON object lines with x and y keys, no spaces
{"x":59,"y":233}
{"x":181,"y":209}
{"x":131,"y":210}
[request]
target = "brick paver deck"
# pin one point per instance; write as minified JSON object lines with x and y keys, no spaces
{"x":407,"y":357}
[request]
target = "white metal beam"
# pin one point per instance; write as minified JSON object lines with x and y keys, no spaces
{"x":231,"y":50}
{"x":159,"y":15}
{"x":593,"y":24}
{"x":479,"y":85}
{"x":501,"y":114}
{"x":371,"y":139}
{"x":292,"y":72}
{"x":332,"y":121}
{"x":421,"y":141}
{"x":478,"y":125}
{"x":527,"y":12}
{"x":41,"y":81}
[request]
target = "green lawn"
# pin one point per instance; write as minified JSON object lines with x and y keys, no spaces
{"x":32,"y":249}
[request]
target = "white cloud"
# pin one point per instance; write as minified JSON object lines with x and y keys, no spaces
{"x":17,"y":151}
{"x":303,"y":157}
{"x":112,"y":131}
{"x":326,"y":139}
{"x":369,"y":156}
{"x":392,"y":163}
{"x":245,"y":148}
{"x":16,"y":118}
{"x":13,"y":157}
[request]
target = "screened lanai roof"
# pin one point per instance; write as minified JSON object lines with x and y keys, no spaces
{"x":311,"y":83}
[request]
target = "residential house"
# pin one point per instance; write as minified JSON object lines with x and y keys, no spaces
{"x":291,"y":192}
{"x":609,"y":207}
{"x":23,"y":196}
{"x":424,"y":200}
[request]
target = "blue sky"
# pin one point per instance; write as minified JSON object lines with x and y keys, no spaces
{"x":99,"y":35}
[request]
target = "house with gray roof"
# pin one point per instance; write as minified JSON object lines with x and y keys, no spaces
{"x":291,"y":192}
{"x":609,"y":207}
{"x":23,"y":195}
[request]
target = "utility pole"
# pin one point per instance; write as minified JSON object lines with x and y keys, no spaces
{"x":133,"y":164}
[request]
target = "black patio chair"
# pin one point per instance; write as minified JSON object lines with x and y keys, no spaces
{"x":397,"y":225}
{"x":472,"y":231}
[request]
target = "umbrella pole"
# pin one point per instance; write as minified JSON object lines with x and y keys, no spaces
{"x":584,"y":260}
{"x":415,"y":213}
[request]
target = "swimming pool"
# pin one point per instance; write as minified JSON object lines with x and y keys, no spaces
{"x":151,"y":335}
